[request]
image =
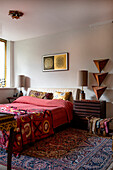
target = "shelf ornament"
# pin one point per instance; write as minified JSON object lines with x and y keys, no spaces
{"x":99,"y":90}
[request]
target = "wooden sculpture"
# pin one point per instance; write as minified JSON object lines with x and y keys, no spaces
{"x":100,"y":64}
{"x":98,"y":91}
{"x":100,"y":77}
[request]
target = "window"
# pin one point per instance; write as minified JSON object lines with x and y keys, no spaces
{"x":3,"y":44}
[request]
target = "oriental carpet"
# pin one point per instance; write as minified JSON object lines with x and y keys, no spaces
{"x":59,"y":144}
{"x":67,"y":149}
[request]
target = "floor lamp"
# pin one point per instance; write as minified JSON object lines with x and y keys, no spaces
{"x":83,"y":81}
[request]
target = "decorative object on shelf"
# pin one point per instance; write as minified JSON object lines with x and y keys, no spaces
{"x":56,"y":62}
{"x":21,"y":83}
{"x":83,"y":81}
{"x":98,"y":91}
{"x":15,"y":14}
{"x":100,"y":64}
{"x":100,"y":77}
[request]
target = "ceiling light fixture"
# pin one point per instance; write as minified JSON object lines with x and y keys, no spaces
{"x":15,"y":14}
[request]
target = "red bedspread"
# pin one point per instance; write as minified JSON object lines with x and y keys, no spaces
{"x":34,"y":119}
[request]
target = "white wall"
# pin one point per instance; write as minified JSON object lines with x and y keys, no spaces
{"x":6,"y":92}
{"x":83,"y":47}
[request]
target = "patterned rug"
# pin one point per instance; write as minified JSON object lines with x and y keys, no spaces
{"x":95,"y":155}
{"x":59,"y":144}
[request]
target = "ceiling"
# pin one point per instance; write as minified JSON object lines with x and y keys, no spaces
{"x":44,"y":17}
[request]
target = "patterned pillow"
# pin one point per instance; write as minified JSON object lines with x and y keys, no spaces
{"x":41,"y":95}
{"x":62,"y":95}
{"x":37,"y":94}
{"x":48,"y":96}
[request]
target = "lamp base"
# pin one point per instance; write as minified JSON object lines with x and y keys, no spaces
{"x":20,"y":94}
{"x":82,"y":95}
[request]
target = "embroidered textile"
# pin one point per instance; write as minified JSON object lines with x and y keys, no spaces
{"x":32,"y":124}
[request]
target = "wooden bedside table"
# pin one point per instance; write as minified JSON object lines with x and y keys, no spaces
{"x":86,"y":108}
{"x":11,"y":99}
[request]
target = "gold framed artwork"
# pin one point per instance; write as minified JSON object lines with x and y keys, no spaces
{"x":56,"y":62}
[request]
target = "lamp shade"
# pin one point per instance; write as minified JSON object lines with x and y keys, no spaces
{"x":21,"y":81}
{"x":83,"y":78}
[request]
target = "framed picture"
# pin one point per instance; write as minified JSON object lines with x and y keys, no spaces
{"x":56,"y":62}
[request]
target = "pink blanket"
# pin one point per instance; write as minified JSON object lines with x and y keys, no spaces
{"x":34,"y":119}
{"x":46,"y":104}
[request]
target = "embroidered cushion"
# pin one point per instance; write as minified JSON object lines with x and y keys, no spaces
{"x":48,"y":96}
{"x":41,"y":95}
{"x":37,"y":94}
{"x":62,"y":95}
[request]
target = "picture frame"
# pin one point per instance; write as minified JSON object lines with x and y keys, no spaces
{"x":56,"y":62}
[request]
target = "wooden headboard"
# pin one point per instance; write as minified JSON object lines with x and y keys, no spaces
{"x":75,"y":91}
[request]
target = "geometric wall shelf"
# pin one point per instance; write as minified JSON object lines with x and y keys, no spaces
{"x":98,"y":91}
{"x":100,"y":77}
{"x":100,"y":64}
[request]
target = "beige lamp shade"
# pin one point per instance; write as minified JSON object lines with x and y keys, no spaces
{"x":21,"y":81}
{"x":83,"y":78}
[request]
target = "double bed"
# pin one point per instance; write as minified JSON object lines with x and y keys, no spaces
{"x":38,"y":117}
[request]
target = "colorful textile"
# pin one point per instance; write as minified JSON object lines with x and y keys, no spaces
{"x":62,"y":110}
{"x":35,"y":118}
{"x":97,"y":156}
{"x":106,"y":126}
{"x":58,"y":144}
{"x":96,"y":123}
{"x":91,"y":123}
{"x":102,"y":124}
{"x":31,"y":125}
{"x":41,"y":95}
{"x":37,"y":94}
{"x":46,"y":104}
{"x":48,"y":96}
{"x":62,"y":95}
